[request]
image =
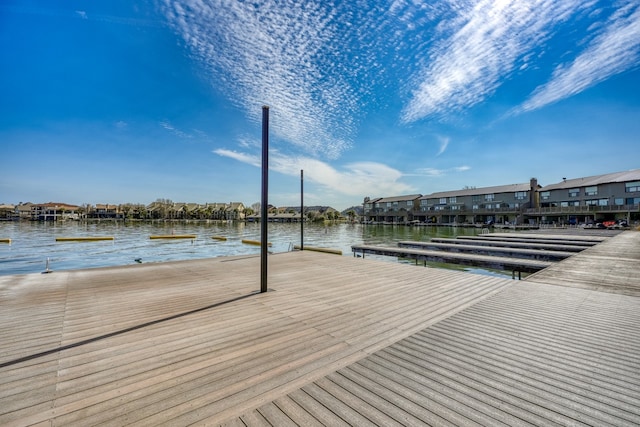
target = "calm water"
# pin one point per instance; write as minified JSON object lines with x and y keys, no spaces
{"x":34,"y":242}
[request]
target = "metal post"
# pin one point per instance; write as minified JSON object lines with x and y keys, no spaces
{"x":301,"y":210}
{"x":264,"y":212}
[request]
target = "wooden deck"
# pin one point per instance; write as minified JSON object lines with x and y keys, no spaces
{"x":336,"y":341}
{"x":610,"y":266}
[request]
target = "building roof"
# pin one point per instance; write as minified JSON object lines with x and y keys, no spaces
{"x":510,"y":188}
{"x":626,"y":176}
{"x":398,"y":198}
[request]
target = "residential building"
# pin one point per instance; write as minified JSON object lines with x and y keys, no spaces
{"x":392,"y":210}
{"x":608,"y":197}
{"x":105,"y":211}
{"x":54,"y":211}
{"x":503,"y":204}
{"x":7,"y":212}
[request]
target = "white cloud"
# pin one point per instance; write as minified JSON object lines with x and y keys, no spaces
{"x":437,"y":173}
{"x":267,"y":55}
{"x":241,"y":157}
{"x":490,"y":37}
{"x":177,"y":132}
{"x":444,"y":143}
{"x":354,"y":179}
{"x":614,"y":50}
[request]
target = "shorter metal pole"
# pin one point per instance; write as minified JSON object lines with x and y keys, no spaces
{"x":301,"y":210}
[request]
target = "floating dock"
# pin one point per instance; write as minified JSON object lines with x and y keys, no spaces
{"x":5,"y":241}
{"x":254,"y":242}
{"x":335,"y":341}
{"x":83,"y":238}
{"x":173,"y":236}
{"x":317,"y":249}
{"x":221,"y":238}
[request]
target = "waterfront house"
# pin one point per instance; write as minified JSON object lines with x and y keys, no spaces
{"x":391,"y":210}
{"x":53,"y":211}
{"x":105,"y":211}
{"x":7,"y":212}
{"x":502,"y":204}
{"x":609,"y":197}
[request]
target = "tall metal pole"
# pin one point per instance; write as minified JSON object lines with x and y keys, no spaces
{"x":301,"y":210}
{"x":264,"y":211}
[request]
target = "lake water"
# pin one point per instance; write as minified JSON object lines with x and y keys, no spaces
{"x":33,"y":243}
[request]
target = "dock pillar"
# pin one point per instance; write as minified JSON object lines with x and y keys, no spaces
{"x":264,"y":211}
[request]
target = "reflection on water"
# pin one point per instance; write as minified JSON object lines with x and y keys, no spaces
{"x":34,"y":242}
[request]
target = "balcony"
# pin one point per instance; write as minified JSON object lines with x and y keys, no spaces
{"x":582,"y":209}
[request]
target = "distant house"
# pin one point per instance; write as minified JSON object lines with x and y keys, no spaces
{"x":7,"y":212}
{"x":105,"y":211}
{"x":24,"y":210}
{"x":53,"y":211}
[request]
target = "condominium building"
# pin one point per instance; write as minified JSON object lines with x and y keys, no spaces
{"x":613,"y":196}
{"x":592,"y":199}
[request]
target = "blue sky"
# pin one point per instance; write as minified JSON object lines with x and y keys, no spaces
{"x":113,"y":101}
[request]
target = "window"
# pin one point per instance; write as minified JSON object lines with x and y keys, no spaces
{"x":564,"y":204}
{"x":574,"y":192}
{"x":452,"y":199}
{"x":544,"y":195}
{"x":591,"y":202}
{"x":474,"y":207}
{"x":603,"y":202}
{"x":633,"y":201}
{"x":489,"y":206}
{"x":489,"y":197}
{"x":455,"y":207}
{"x":618,"y":202}
{"x":476,"y":198}
{"x":591,"y":191}
{"x":520,"y":195}
{"x":632,"y":187}
{"x":409,"y":203}
{"x":443,"y":200}
{"x":424,"y":202}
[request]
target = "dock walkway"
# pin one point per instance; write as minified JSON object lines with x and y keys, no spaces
{"x":486,"y":261}
{"x":336,"y":341}
{"x":471,"y":247}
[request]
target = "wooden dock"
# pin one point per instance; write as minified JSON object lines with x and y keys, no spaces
{"x":336,"y":341}
{"x":526,"y":253}
{"x":510,"y":244}
{"x":538,"y":238}
{"x":484,"y":261}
